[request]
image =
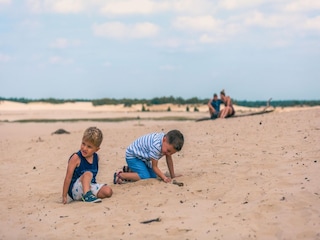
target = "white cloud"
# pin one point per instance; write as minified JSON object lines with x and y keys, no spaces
{"x":144,"y":30}
{"x":280,"y":43}
{"x":110,"y":29}
{"x":168,"y":67}
{"x":34,"y":5}
{"x":4,"y":58}
{"x":70,"y":6}
{"x":312,"y":24}
{"x":260,"y":19}
{"x":206,"y":38}
{"x":107,"y":64}
{"x":58,"y":6}
{"x":201,"y":23}
{"x":64,"y":43}
{"x":5,"y":2}
{"x":211,"y":30}
{"x":60,"y":60}
{"x":131,"y":7}
{"x":123,"y":7}
{"x":237,"y":4}
{"x":60,"y":43}
{"x":144,"y":7}
{"x":302,"y":5}
{"x":120,"y":30}
{"x":227,"y":31}
{"x":169,"y":42}
{"x":30,"y":24}
{"x":292,"y":23}
{"x":117,"y":7}
{"x":192,"y":7}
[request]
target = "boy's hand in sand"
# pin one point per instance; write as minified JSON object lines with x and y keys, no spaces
{"x":167,"y":180}
{"x":64,"y":200}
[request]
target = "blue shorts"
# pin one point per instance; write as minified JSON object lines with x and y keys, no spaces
{"x":138,"y":166}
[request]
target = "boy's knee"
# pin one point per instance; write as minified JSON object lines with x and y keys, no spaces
{"x":105,"y":192}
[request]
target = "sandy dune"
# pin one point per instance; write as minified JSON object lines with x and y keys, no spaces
{"x":253,"y":177}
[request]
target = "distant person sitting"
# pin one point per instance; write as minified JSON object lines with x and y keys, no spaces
{"x":228,"y":110}
{"x":214,"y":106}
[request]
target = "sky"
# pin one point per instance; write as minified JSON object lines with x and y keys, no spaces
{"x":142,"y":49}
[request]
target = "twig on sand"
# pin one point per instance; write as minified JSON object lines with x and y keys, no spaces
{"x":151,"y":220}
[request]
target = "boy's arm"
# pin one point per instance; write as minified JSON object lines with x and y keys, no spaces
{"x":158,"y":171}
{"x":72,"y":164}
{"x":209,"y":104}
{"x":170,"y":165}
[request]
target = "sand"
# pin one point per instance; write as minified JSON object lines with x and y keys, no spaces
{"x":254,"y":177}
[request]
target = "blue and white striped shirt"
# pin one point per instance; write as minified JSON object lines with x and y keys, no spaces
{"x":146,"y":147}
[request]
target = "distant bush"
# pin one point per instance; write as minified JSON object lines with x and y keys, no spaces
{"x":164,"y":100}
{"x":144,"y":109}
{"x":278,"y":103}
{"x":46,"y":100}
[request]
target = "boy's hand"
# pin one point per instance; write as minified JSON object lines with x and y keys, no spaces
{"x":167,"y":180}
{"x":64,"y":200}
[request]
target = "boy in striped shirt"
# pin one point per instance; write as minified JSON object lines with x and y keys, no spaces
{"x":143,"y":154}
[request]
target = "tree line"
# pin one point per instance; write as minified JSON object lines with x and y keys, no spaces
{"x":165,"y":100}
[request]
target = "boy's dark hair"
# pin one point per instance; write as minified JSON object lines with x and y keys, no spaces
{"x":175,"y":138}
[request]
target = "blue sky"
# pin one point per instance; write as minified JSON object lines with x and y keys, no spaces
{"x":254,"y":49}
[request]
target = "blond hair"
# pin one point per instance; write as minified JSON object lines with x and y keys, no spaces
{"x":93,"y":135}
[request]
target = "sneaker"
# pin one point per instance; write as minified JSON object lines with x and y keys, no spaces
{"x":89,"y":197}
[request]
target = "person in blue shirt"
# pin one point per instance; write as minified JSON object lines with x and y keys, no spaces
{"x":214,"y":106}
{"x":80,"y":181}
{"x":143,"y":154}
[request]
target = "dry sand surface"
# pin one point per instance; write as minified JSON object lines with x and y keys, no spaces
{"x":254,"y":177}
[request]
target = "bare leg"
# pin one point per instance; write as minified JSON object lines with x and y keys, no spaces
{"x":226,"y":112}
{"x":211,"y":111}
{"x":105,"y":192}
{"x":131,"y":176}
{"x":222,"y":113}
{"x":85,"y":180}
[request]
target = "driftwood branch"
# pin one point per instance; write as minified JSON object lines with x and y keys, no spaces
{"x":180,"y":184}
{"x":151,"y":220}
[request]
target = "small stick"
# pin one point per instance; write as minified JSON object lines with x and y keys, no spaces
{"x":151,"y":220}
